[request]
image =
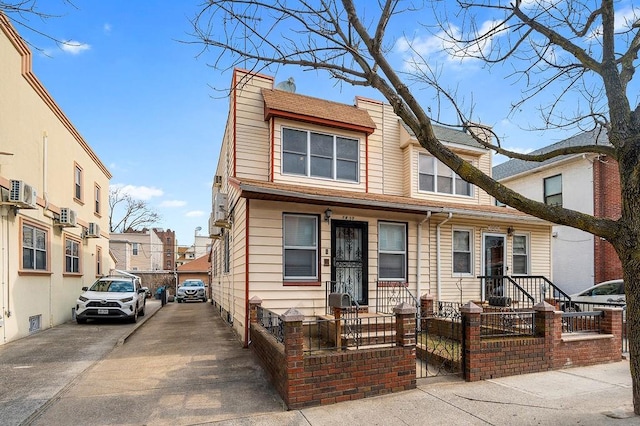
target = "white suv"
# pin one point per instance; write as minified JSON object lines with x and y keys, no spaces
{"x":112,"y":297}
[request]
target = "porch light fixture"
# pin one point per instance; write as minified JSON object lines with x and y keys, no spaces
{"x":510,"y":231}
{"x":327,"y":215}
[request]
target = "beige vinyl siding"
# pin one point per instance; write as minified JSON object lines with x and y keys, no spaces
{"x":484,"y":164}
{"x":376,"y":143}
{"x":279,"y":124}
{"x":238,"y":260}
{"x":456,"y":287}
{"x":252,"y":132}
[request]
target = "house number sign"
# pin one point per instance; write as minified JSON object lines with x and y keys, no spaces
{"x":348,"y":218}
{"x":493,"y":229}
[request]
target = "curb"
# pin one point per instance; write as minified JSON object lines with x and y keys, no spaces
{"x":121,"y":341}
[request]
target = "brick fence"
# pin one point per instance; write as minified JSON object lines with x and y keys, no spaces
{"x":305,"y":380}
{"x":548,"y":349}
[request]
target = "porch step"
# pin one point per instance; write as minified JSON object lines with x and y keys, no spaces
{"x":371,"y":338}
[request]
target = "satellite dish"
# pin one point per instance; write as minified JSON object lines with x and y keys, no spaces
{"x":287,"y":86}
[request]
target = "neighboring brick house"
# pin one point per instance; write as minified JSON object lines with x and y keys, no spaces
{"x":311,"y":196}
{"x":587,"y":183}
{"x":169,"y":246}
{"x":53,"y":201}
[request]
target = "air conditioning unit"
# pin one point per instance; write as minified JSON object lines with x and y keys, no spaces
{"x":214,"y":231}
{"x":67,"y":217}
{"x":93,"y":230}
{"x":22,"y":195}
{"x":219,"y":206}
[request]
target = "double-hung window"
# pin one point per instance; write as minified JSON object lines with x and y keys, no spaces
{"x":34,"y":248}
{"x":96,"y":208}
{"x":300,"y":234}
{"x":553,"y":190}
{"x":134,"y":249}
{"x":435,"y":176}
{"x":520,"y":255}
{"x":319,"y":155}
{"x":77,"y":183}
{"x":462,"y":256}
{"x":392,"y":251}
{"x":72,"y":256}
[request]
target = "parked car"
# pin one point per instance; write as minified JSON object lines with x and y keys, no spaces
{"x":191,"y":290}
{"x":604,"y":293}
{"x":147,"y":292}
{"x":112,"y":297}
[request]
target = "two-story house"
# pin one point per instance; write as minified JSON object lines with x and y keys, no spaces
{"x":312,"y":196}
{"x":588,"y":183}
{"x":53,"y":205}
{"x":138,"y":250}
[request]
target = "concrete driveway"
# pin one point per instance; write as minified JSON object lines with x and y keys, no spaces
{"x":183,"y":367}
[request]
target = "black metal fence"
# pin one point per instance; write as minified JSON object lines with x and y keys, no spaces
{"x":582,"y":322}
{"x":350,"y":332}
{"x":271,"y":322}
{"x":507,"y":324}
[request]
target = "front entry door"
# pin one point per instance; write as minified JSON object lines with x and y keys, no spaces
{"x":349,"y":255}
{"x":493,"y":264}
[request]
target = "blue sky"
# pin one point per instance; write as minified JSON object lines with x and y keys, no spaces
{"x":154,"y":111}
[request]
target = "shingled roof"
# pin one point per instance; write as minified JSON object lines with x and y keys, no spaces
{"x":285,"y":192}
{"x":279,"y":103}
{"x":449,"y":135}
{"x":515,"y":166}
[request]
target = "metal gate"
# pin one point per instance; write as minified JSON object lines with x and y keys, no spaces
{"x":439,"y":341}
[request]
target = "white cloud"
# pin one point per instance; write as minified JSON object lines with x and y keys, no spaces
{"x":444,"y":46}
{"x":106,"y":28}
{"x":173,"y":203}
{"x":74,"y":47}
{"x":194,"y":213}
{"x":139,"y":192}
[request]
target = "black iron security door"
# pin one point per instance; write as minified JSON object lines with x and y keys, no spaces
{"x":349,"y":255}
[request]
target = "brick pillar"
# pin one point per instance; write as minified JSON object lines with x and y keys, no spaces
{"x":471,"y":345}
{"x":405,"y":325}
{"x":548,"y":325}
{"x":612,"y":324}
{"x":293,"y":352}
{"x":254,"y":302}
{"x":427,"y":305}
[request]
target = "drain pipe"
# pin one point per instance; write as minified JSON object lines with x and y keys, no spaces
{"x":419,"y":261}
{"x":438,"y":272}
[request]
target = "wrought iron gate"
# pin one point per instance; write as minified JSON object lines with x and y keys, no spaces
{"x":439,"y":341}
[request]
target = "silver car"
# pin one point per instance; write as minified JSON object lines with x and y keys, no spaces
{"x":191,"y":290}
{"x":606,"y":292}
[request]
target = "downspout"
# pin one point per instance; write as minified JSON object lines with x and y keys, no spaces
{"x":438,"y":272}
{"x":419,"y":261}
{"x":45,"y":195}
{"x":247,"y":314}
{"x":4,"y":231}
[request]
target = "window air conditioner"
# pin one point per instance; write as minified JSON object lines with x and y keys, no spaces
{"x":67,"y":217}
{"x":22,"y":195}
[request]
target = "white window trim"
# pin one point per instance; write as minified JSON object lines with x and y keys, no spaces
{"x":405,"y":252}
{"x":471,"y":253}
{"x":528,"y":248}
{"x":454,"y":176}
{"x":316,"y":248}
{"x":308,"y":155}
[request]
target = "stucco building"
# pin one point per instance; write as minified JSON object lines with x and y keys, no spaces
{"x":53,"y":207}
